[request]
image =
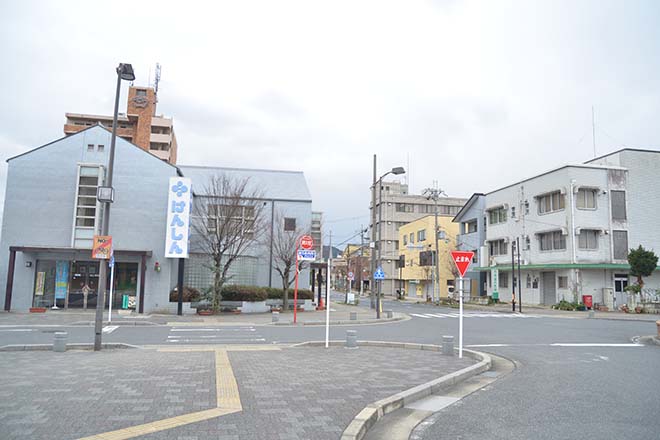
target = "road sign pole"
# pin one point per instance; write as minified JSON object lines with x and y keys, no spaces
{"x":460,"y":317}
{"x":295,"y":291}
{"x":112,"y":284}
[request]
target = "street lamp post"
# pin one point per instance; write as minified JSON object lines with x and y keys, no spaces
{"x":124,"y":72}
{"x":379,"y":182}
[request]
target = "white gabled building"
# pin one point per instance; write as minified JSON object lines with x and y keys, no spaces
{"x":575,"y":225}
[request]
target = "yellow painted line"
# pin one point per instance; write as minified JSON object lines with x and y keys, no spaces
{"x":161,"y":425}
{"x":228,"y":401}
{"x":225,"y":383}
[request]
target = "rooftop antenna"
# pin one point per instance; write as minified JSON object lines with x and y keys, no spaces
{"x":156,"y":81}
{"x":593,"y":128}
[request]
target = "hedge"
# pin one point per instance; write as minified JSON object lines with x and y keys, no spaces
{"x":244,"y":293}
{"x":190,"y":294}
{"x":274,"y":293}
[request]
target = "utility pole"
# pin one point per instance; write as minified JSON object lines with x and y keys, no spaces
{"x":362,"y":231}
{"x":519,"y":279}
{"x":513,"y":273}
{"x":372,"y":247}
{"x":434,"y":194}
{"x":327,"y":295}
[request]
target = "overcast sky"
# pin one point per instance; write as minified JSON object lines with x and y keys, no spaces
{"x":473,"y":95}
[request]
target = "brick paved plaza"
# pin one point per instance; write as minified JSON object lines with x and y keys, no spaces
{"x":293,"y":393}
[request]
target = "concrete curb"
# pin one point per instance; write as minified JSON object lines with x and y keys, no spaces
{"x":373,"y":412}
{"x":646,"y":340}
{"x":345,"y":322}
{"x":78,"y":346}
{"x":120,"y":323}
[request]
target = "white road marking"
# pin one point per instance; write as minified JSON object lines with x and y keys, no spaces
{"x":17,"y":330}
{"x":489,"y":345}
{"x":473,"y":315}
{"x":224,"y":341}
{"x":110,"y":328}
{"x":558,"y":344}
{"x":248,"y":329}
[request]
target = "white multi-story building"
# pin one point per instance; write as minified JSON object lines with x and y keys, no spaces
{"x":575,"y":225}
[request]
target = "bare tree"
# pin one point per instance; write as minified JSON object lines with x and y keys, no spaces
{"x":228,"y":217}
{"x":285,"y":236}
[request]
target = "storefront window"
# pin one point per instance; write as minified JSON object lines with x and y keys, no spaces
{"x":44,"y":285}
{"x":75,"y":284}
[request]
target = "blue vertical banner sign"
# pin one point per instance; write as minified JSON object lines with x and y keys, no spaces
{"x":61,"y":279}
{"x":179,"y":206}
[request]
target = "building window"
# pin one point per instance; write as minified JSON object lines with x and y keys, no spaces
{"x":404,"y":207}
{"x":588,"y":239}
{"x":562,"y":282}
{"x":141,"y":92}
{"x":497,"y":215}
{"x":289,"y":224}
{"x":475,"y":256}
{"x":90,"y":147}
{"x":528,"y":243}
{"x":86,"y":210}
{"x":526,"y":205}
{"x":471,"y":226}
{"x":620,"y":239}
{"x":100,"y":148}
{"x":585,"y":198}
{"x":497,"y":247}
{"x":503,"y":279}
{"x":405,"y":239}
{"x":528,"y":282}
{"x":618,"y":205}
{"x":217,"y":215}
{"x":552,"y":241}
{"x":513,"y":212}
{"x":412,"y":237}
{"x":551,"y":202}
{"x":424,"y":209}
{"x":421,"y":235}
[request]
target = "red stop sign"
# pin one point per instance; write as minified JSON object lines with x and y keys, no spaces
{"x":306,"y":242}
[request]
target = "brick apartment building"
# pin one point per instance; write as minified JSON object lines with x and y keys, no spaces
{"x":139,"y":125}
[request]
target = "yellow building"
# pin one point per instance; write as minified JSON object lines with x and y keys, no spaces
{"x":417,"y":237}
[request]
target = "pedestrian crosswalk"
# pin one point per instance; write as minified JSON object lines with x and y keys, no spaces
{"x":472,"y":315}
{"x":215,"y":335}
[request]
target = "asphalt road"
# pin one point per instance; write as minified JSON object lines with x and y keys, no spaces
{"x":575,"y":378}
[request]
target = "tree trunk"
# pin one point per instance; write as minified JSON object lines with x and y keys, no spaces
{"x":217,"y":287}
{"x":285,"y":291}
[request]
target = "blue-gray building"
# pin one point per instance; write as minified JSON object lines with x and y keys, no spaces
{"x":51,"y":215}
{"x":471,"y":237}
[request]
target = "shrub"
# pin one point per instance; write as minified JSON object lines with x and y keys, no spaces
{"x":190,"y":294}
{"x":275,"y":293}
{"x":244,"y":293}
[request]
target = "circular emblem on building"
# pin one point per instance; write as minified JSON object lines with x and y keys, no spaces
{"x":140,"y":101}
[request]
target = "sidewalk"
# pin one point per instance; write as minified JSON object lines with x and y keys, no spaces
{"x":339,"y":314}
{"x":292,"y":393}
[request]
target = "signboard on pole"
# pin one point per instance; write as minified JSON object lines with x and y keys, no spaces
{"x":351,"y":276}
{"x":495,"y":280}
{"x":379,"y":274}
{"x":306,"y":255}
{"x":178,"y":217}
{"x":102,"y":247}
{"x":462,"y":260}
{"x":306,"y":242}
